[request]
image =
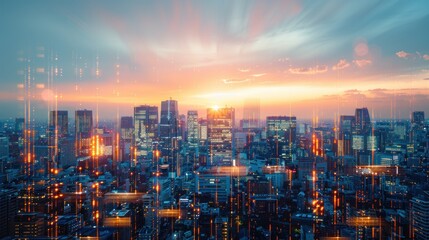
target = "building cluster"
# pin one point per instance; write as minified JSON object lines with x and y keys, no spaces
{"x":160,"y":174}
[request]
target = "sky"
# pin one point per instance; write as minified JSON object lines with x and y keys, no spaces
{"x":301,"y":58}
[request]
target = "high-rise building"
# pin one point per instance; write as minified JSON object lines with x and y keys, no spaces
{"x":8,"y":210}
{"x":220,"y":125}
{"x":127,"y":128}
{"x":362,"y":121}
{"x":169,"y":121}
{"x":83,"y":131}
{"x":418,"y":118}
{"x":29,"y":225}
{"x":193,"y":128}
{"x":420,"y":216}
{"x":58,"y":120}
{"x":169,"y":134}
{"x":19,"y":125}
{"x":83,"y":123}
{"x":419,"y":133}
{"x":126,"y":134}
{"x":344,"y":140}
{"x":145,"y":129}
{"x":281,"y":128}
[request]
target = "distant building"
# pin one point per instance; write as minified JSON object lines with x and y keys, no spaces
{"x":83,"y":131}
{"x":418,"y":118}
{"x":8,"y":210}
{"x":346,"y":127}
{"x":362,"y":121}
{"x":145,"y":128}
{"x":420,"y":216}
{"x":220,"y":125}
{"x":169,"y":133}
{"x":282,"y":128}
{"x":29,"y":225}
{"x":193,"y":129}
{"x":127,"y":128}
{"x":58,"y":120}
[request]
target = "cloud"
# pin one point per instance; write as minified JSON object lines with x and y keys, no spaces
{"x":426,"y":78}
{"x":362,"y":62}
{"x":244,"y":70}
{"x":426,"y":57}
{"x":258,"y":75}
{"x":309,"y":70}
{"x":233,"y":81}
{"x":403,"y":54}
{"x":341,"y":65}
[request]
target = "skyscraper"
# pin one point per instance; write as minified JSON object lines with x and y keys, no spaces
{"x":145,"y":128}
{"x":168,"y":126}
{"x":169,"y":133}
{"x":283,"y":128}
{"x":59,"y":120}
{"x":127,"y":128}
{"x":83,"y":131}
{"x":281,"y":134}
{"x":362,"y":121}
{"x":220,"y":125}
{"x":346,"y":127}
{"x":83,"y":123}
{"x":193,"y":127}
{"x":418,"y":118}
{"x":420,"y":216}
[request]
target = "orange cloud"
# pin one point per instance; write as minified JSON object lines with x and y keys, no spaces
{"x":362,"y":62}
{"x":232,"y":81}
{"x":341,"y":65}
{"x":403,"y":54}
{"x":309,"y":70}
{"x":426,"y":57}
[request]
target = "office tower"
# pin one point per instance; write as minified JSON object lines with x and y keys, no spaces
{"x":193,"y":129}
{"x":362,"y":121}
{"x":169,"y":134}
{"x":281,"y":128}
{"x":8,"y":210}
{"x":202,"y":134}
{"x":4,"y":147}
{"x":220,"y":125}
{"x":83,"y":131}
{"x":251,"y":114}
{"x":19,"y":125}
{"x":169,"y":121}
{"x":182,"y":127}
{"x":346,"y":127}
{"x":418,"y":136}
{"x":67,"y":150}
{"x":218,"y":186}
{"x":29,"y":225}
{"x":58,"y":120}
{"x":418,"y":118}
{"x":145,"y":129}
{"x":420,"y":216}
{"x":83,"y":123}
{"x":126,"y":136}
{"x":281,"y":135}
{"x":127,"y":128}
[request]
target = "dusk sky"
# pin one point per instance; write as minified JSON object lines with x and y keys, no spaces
{"x":297,"y":57}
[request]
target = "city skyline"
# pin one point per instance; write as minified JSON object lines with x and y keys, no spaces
{"x":299,"y":58}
